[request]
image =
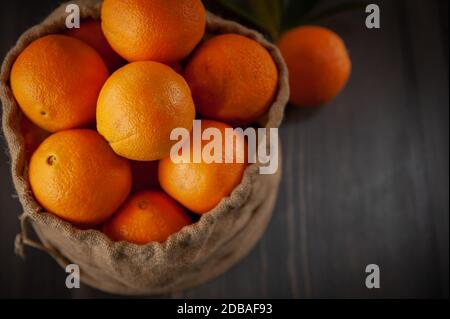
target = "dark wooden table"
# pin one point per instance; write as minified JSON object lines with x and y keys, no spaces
{"x":366,"y":178}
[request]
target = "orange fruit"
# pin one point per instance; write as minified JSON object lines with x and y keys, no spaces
{"x":232,"y":78}
{"x":90,"y":32}
{"x":56,"y":80}
{"x":318,"y":63}
{"x":146,"y":217}
{"x":201,"y":186}
{"x":33,"y":136}
{"x":75,"y":175}
{"x":138,"y":107}
{"x":158,"y":30}
{"x":145,"y":175}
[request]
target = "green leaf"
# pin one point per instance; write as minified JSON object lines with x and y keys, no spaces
{"x":340,"y":8}
{"x":241,"y":9}
{"x":269,"y":13}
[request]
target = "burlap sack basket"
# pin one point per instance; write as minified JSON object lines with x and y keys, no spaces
{"x":192,"y":256}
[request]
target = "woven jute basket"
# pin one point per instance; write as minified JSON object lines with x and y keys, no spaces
{"x":192,"y":256}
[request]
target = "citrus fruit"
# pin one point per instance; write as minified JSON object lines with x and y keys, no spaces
{"x":177,"y":67}
{"x":318,"y":64}
{"x":138,"y":107}
{"x":75,"y":175}
{"x":158,"y":30}
{"x":145,"y":176}
{"x":90,"y":32}
{"x":56,"y":80}
{"x":145,"y":217}
{"x":233,"y":79}
{"x":201,"y":186}
{"x":33,"y":136}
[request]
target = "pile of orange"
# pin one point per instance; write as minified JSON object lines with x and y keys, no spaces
{"x":101,"y":101}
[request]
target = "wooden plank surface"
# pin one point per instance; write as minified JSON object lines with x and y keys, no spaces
{"x":365,"y":179}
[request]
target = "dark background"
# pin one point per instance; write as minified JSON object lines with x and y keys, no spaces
{"x":365,"y":179}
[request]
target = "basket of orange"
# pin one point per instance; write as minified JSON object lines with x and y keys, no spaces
{"x":88,"y":115}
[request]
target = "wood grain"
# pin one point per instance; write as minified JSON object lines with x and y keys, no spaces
{"x":365,"y":178}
